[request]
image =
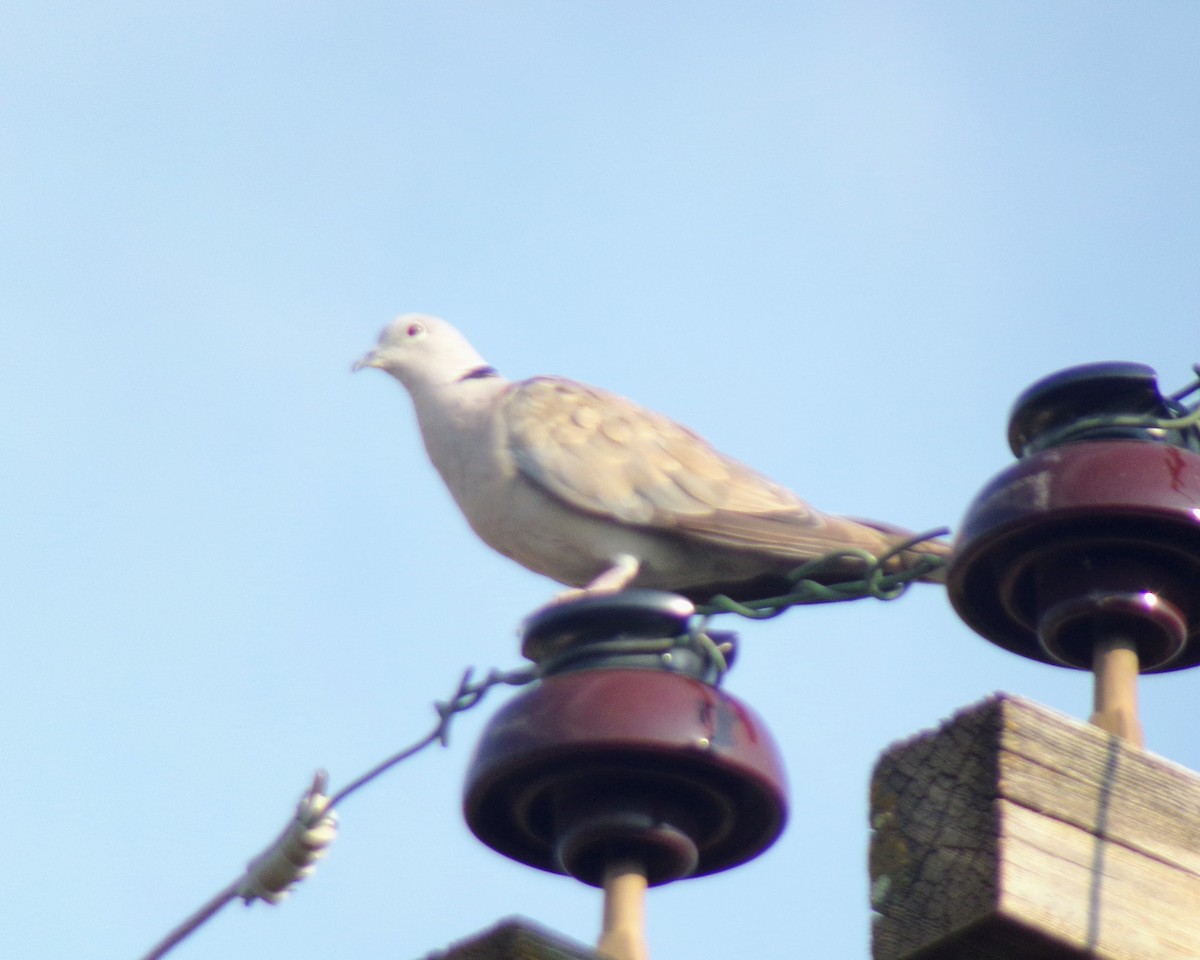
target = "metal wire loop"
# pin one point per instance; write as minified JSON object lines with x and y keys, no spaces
{"x":875,"y":581}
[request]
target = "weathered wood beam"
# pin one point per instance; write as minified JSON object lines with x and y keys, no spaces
{"x":516,"y":939}
{"x":1013,"y":832}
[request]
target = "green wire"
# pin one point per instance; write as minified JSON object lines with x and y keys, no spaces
{"x":805,"y":590}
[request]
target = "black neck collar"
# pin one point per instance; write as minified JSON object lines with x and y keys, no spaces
{"x":479,"y":373}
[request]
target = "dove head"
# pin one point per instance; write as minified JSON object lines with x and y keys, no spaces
{"x":423,"y":351}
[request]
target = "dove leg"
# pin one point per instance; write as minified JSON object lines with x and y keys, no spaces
{"x":624,"y":568}
{"x":617,"y":577}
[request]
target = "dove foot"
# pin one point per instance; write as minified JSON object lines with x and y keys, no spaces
{"x":613,"y":580}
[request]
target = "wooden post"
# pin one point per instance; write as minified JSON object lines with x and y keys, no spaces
{"x":1015,"y":833}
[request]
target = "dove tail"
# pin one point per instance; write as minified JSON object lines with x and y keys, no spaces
{"x":913,"y":549}
{"x":923,"y":550}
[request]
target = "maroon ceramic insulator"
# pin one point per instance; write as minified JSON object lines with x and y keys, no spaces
{"x":594,"y":765}
{"x":1083,"y":539}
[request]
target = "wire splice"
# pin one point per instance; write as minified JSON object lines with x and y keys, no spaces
{"x":274,"y":873}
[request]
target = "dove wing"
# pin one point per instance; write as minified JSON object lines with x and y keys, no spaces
{"x":609,"y":457}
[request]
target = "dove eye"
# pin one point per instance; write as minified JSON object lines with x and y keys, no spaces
{"x":415,"y":329}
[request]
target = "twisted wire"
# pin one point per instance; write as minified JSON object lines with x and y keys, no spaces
{"x":313,"y":814}
{"x":875,"y":582}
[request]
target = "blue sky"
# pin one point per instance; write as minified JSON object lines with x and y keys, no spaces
{"x":836,"y":238}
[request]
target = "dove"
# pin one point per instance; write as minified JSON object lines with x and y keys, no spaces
{"x":596,"y":492}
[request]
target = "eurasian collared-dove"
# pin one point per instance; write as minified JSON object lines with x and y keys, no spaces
{"x":594,"y":491}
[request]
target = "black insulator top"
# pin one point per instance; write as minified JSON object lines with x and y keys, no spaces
{"x":1090,"y":397}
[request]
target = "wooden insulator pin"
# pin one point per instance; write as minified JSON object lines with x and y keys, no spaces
{"x":1115,"y":707}
{"x":624,"y":933}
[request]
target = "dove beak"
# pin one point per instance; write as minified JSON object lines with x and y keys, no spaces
{"x":369,"y":359}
